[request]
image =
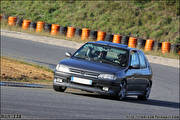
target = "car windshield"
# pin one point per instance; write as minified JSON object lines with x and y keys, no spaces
{"x":103,"y":54}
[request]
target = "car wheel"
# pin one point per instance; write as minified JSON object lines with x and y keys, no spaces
{"x":122,"y":92}
{"x":59,"y":88}
{"x":146,"y":94}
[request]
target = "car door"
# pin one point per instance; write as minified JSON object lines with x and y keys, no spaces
{"x":132,"y":78}
{"x":142,"y":75}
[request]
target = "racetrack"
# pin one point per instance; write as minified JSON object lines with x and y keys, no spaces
{"x":46,"y":103}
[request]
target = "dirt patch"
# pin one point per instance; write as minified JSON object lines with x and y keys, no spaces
{"x":13,"y":70}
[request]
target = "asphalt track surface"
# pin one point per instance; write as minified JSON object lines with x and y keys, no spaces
{"x":46,"y":103}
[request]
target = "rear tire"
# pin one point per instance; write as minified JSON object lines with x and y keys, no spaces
{"x":146,"y":94}
{"x":59,"y":88}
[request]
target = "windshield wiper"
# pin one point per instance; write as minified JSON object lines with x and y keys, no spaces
{"x":83,"y":58}
{"x":96,"y":60}
{"x":106,"y":61}
{"x":79,"y":57}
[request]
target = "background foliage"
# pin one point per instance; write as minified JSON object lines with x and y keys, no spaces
{"x":148,"y":19}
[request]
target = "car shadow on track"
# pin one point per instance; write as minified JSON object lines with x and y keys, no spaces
{"x":151,"y":102}
{"x":154,"y":102}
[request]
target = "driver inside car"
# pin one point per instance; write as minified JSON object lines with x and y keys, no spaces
{"x":122,"y":59}
{"x":100,"y":54}
{"x":95,"y":54}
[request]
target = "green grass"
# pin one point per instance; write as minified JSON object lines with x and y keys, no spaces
{"x":148,"y":19}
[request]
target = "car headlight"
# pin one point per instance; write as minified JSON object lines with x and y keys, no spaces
{"x":62,"y":68}
{"x":107,"y":76}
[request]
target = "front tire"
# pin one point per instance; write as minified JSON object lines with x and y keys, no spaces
{"x":59,"y":88}
{"x":122,"y":92}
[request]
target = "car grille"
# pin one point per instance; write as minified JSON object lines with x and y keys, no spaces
{"x":84,"y":73}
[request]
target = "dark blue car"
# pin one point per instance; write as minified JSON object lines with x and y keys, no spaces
{"x":106,"y":68}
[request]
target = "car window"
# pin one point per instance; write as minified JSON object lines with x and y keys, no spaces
{"x":134,"y":59}
{"x":142,"y":60}
{"x":104,"y":54}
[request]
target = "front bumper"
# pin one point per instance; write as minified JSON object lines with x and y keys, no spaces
{"x":97,"y":85}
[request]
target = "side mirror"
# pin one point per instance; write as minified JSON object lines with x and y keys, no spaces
{"x":68,"y":54}
{"x":134,"y":67}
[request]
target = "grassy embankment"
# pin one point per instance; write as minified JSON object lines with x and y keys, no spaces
{"x":19,"y":71}
{"x":150,"y":19}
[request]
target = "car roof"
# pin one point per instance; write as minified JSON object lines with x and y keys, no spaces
{"x":114,"y":45}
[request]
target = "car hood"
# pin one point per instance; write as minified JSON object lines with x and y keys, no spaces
{"x":91,"y":65}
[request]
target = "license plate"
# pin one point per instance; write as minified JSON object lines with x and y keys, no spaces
{"x":81,"y":80}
